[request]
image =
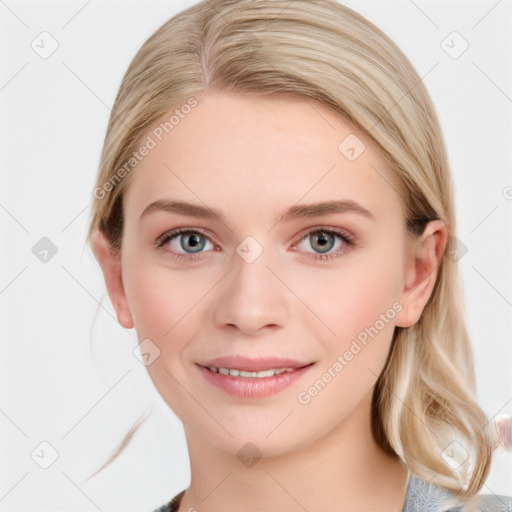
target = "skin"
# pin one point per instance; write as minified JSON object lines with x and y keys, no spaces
{"x":252,"y":157}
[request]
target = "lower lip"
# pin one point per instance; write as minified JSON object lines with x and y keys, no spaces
{"x":253,"y":387}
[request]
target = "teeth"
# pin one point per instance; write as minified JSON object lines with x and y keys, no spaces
{"x":241,"y":373}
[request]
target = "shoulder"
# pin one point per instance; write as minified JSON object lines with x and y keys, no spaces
{"x":173,"y":505}
{"x":426,"y":496}
{"x":163,"y":508}
{"x":494,"y":503}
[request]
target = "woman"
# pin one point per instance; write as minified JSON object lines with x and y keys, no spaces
{"x":274,"y":216}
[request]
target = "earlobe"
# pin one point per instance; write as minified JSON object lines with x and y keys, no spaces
{"x":421,"y":272}
{"x":110,"y":262}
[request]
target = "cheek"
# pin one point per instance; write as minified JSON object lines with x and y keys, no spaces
{"x":161,"y":300}
{"x":358,"y":302}
{"x":359,"y":305}
{"x":164,"y":303}
{"x":352,"y":296}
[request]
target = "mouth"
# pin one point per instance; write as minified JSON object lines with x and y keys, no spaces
{"x":235,"y":372}
{"x":243,"y":377}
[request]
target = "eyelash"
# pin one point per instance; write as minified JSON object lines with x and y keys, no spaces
{"x":348,"y":241}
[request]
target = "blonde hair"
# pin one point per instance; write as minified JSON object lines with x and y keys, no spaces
{"x":425,"y":397}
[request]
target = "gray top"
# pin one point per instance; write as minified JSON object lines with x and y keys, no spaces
{"x":421,"y":496}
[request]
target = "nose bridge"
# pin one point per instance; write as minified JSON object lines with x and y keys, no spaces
{"x":252,"y":297}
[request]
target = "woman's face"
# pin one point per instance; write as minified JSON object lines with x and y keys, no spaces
{"x":322,"y":287}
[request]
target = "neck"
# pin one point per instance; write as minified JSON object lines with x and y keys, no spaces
{"x":343,"y":470}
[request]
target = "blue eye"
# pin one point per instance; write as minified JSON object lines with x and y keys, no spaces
{"x":324,"y":240}
{"x":190,"y":240}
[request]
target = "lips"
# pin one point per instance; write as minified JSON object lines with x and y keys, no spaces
{"x":250,"y":377}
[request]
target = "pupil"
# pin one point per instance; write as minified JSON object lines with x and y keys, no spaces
{"x":323,"y":242}
{"x":193,"y":242}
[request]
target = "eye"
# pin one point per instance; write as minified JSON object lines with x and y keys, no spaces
{"x":323,"y":240}
{"x":184,"y":243}
{"x":190,"y":244}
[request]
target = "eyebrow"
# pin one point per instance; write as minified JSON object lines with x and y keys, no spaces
{"x":294,"y":212}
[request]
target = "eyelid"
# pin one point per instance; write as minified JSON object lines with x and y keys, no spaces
{"x":186,"y":229}
{"x":343,"y":233}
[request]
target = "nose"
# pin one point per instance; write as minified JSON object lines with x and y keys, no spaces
{"x":251,"y":298}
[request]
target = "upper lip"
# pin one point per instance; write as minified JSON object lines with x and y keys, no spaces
{"x":253,"y":364}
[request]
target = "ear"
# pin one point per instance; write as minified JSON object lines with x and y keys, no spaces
{"x":421,"y":270}
{"x":110,"y":263}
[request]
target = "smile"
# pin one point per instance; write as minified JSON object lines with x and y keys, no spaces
{"x":241,"y":373}
{"x":252,"y":382}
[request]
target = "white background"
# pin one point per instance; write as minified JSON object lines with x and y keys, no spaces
{"x":54,"y":114}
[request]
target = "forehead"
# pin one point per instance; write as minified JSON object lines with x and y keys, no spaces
{"x":246,"y":151}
